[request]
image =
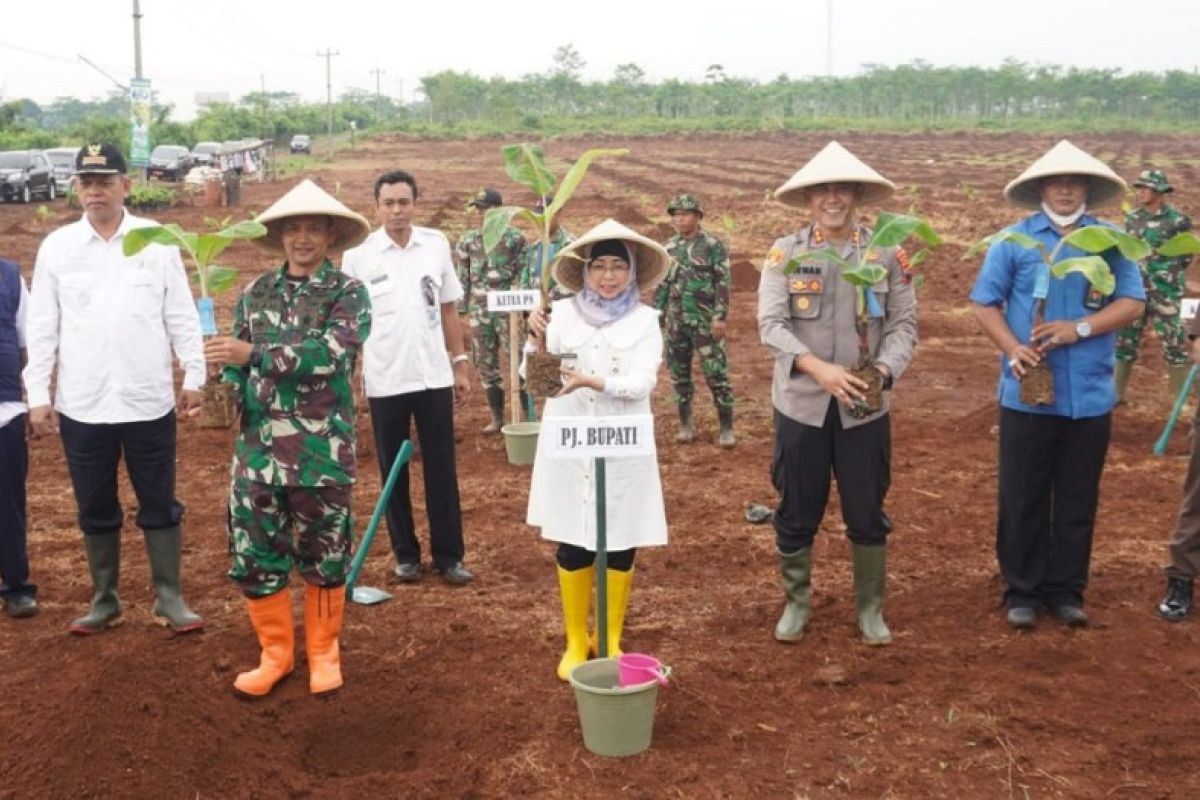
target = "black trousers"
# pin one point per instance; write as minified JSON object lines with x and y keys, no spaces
{"x":391,"y":419}
{"x":803,"y":460}
{"x":14,"y":467}
{"x":1050,"y":469}
{"x":572,"y":558}
{"x":93,"y":452}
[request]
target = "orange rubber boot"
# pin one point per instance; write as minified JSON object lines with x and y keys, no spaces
{"x":272,"y":620}
{"x":323,"y":609}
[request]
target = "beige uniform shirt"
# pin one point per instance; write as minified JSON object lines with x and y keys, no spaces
{"x":812,"y":311}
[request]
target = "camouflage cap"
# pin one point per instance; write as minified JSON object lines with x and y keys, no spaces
{"x":684,"y":202}
{"x":1154,"y":179}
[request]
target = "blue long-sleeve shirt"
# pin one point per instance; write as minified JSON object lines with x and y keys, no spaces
{"x":1083,"y":384}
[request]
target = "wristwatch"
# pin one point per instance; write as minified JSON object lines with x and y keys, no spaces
{"x":1082,"y":329}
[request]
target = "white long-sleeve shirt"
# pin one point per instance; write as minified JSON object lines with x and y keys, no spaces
{"x":109,"y":323}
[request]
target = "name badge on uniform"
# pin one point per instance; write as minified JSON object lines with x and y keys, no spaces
{"x":1094,"y":300}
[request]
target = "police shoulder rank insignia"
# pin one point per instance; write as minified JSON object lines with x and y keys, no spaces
{"x":805,"y":286}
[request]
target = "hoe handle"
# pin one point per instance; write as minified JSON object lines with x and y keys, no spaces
{"x":365,"y":545}
{"x":1160,"y":446}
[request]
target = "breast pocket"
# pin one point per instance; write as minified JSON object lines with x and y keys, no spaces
{"x":805,"y":296}
{"x":142,"y":293}
{"x":76,"y":291}
{"x":383,"y":296}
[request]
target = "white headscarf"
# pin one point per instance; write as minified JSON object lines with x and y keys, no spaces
{"x":599,"y":311}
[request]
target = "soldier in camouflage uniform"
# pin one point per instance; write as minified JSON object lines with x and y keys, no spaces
{"x":694,"y":300}
{"x":480,"y":272}
{"x":1154,"y":221}
{"x":298,"y":330}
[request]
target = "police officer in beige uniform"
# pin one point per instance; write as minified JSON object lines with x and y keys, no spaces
{"x":806,"y":318}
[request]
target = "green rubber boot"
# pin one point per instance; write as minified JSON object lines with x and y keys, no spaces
{"x":1121,"y":373}
{"x":495,"y":401}
{"x":870,"y":579}
{"x":687,"y":431}
{"x":725,"y":419}
{"x":164,"y":548}
{"x":104,"y":562}
{"x":796,"y":570}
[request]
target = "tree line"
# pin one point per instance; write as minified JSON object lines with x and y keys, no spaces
{"x":1013,"y":95}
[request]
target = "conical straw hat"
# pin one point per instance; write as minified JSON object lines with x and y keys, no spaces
{"x":308,"y":199}
{"x":652,"y":259}
{"x":1104,"y":185}
{"x":836,"y":164}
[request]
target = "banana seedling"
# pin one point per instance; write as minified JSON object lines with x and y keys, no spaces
{"x":526,"y":164}
{"x":1037,"y":387}
{"x":218,"y":410}
{"x":863,"y":273}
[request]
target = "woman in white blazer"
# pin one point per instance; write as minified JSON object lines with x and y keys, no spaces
{"x":617,"y":345}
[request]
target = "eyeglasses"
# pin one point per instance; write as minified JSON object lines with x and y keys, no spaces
{"x":611,"y":269}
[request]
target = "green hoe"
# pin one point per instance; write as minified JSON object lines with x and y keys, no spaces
{"x":366,"y":595}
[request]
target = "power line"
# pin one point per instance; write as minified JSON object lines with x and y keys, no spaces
{"x":37,"y":53}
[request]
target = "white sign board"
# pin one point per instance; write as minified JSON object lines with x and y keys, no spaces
{"x":1187,"y":310}
{"x":517,"y":300}
{"x":598,"y":437}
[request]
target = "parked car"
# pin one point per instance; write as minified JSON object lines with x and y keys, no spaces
{"x":301,"y":143}
{"x":204,"y":152}
{"x":25,"y":173}
{"x":62,"y":159}
{"x":170,"y":162}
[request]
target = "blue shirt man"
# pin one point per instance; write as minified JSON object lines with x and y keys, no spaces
{"x":1052,"y":455}
{"x":1083,"y":372}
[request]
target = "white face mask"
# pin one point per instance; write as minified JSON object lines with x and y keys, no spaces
{"x":1068,"y":220}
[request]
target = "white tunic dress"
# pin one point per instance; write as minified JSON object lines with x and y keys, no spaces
{"x":562,"y":497}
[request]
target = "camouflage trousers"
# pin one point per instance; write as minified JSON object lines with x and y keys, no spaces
{"x":683,"y":339}
{"x":489,"y":338}
{"x":1164,"y":291}
{"x":272,"y":528}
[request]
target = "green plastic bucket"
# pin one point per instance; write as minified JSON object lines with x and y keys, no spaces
{"x":615,"y":721}
{"x":520,"y":440}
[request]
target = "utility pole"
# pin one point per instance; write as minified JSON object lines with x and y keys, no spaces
{"x":829,"y":39}
{"x":378,"y":73}
{"x":137,"y":40}
{"x":262,"y":98}
{"x":328,"y":56}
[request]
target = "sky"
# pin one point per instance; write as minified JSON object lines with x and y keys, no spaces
{"x":239,"y":46}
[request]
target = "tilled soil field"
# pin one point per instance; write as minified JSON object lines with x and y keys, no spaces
{"x":451,"y":692}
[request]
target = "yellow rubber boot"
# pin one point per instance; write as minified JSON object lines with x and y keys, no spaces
{"x":576,"y":589}
{"x":323,"y":611}
{"x":619,"y":585}
{"x":272,"y":620}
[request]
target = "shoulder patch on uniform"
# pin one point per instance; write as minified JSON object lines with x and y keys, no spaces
{"x":906,"y":272}
{"x":774,"y":257}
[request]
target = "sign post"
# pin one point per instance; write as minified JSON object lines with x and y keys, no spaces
{"x":600,"y":438}
{"x":513,"y":303}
